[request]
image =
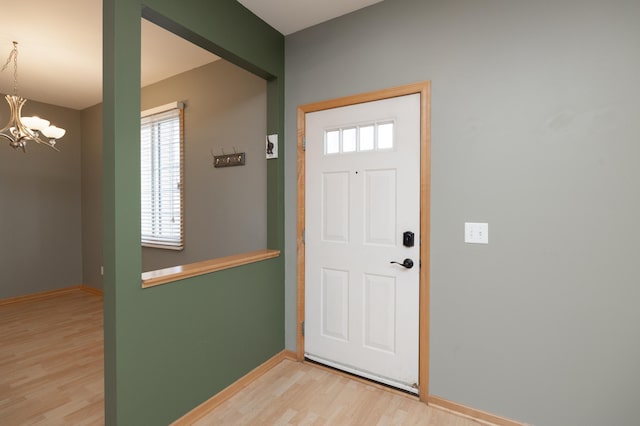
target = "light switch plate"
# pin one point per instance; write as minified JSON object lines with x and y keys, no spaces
{"x":476,"y":233}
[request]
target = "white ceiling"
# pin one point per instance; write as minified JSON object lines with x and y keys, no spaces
{"x":60,"y":46}
{"x":289,"y":16}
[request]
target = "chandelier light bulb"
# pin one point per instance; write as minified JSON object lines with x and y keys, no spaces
{"x":19,"y":130}
{"x":53,"y":132}
{"x":35,"y":123}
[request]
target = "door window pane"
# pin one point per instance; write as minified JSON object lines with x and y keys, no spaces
{"x":332,"y":142}
{"x":385,"y":136}
{"x":349,"y":140}
{"x":366,"y":138}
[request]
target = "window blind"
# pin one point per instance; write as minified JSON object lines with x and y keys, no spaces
{"x":161,"y":157}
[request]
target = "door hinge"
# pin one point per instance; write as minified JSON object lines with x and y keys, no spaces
{"x":302,"y":328}
{"x":304,"y":143}
{"x":304,"y":235}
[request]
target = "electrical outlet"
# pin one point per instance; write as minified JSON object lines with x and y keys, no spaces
{"x":476,"y":233}
{"x":102,"y":270}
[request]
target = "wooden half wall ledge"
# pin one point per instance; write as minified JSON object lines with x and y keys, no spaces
{"x":175,"y":273}
{"x":49,"y":294}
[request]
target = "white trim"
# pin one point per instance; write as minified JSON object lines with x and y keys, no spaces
{"x":162,"y":108}
{"x":364,"y":374}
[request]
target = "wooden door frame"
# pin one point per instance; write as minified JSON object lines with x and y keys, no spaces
{"x":424,"y":89}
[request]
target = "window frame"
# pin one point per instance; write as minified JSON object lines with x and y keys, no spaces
{"x":154,"y":239}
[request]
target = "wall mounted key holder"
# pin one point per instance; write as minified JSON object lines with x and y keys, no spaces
{"x":229,"y":160}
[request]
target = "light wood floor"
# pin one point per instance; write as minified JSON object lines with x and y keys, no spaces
{"x":51,"y":373}
{"x":51,"y":361}
{"x":294,"y":393}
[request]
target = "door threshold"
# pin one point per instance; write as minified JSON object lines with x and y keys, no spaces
{"x":365,"y":376}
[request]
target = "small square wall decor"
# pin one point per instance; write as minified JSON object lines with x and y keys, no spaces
{"x":272,"y":146}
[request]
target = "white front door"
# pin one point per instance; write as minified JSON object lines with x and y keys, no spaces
{"x":362,"y":194}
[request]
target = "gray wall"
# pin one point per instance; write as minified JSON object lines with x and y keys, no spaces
{"x":40,"y":215}
{"x":92,"y":196}
{"x":535,"y":130}
{"x":225,"y":208}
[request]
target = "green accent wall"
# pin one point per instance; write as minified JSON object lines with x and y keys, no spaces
{"x":169,"y":348}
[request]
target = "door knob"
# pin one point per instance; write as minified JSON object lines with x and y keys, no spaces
{"x":407,"y":263}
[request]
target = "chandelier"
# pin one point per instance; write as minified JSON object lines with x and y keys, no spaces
{"x":19,"y":130}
